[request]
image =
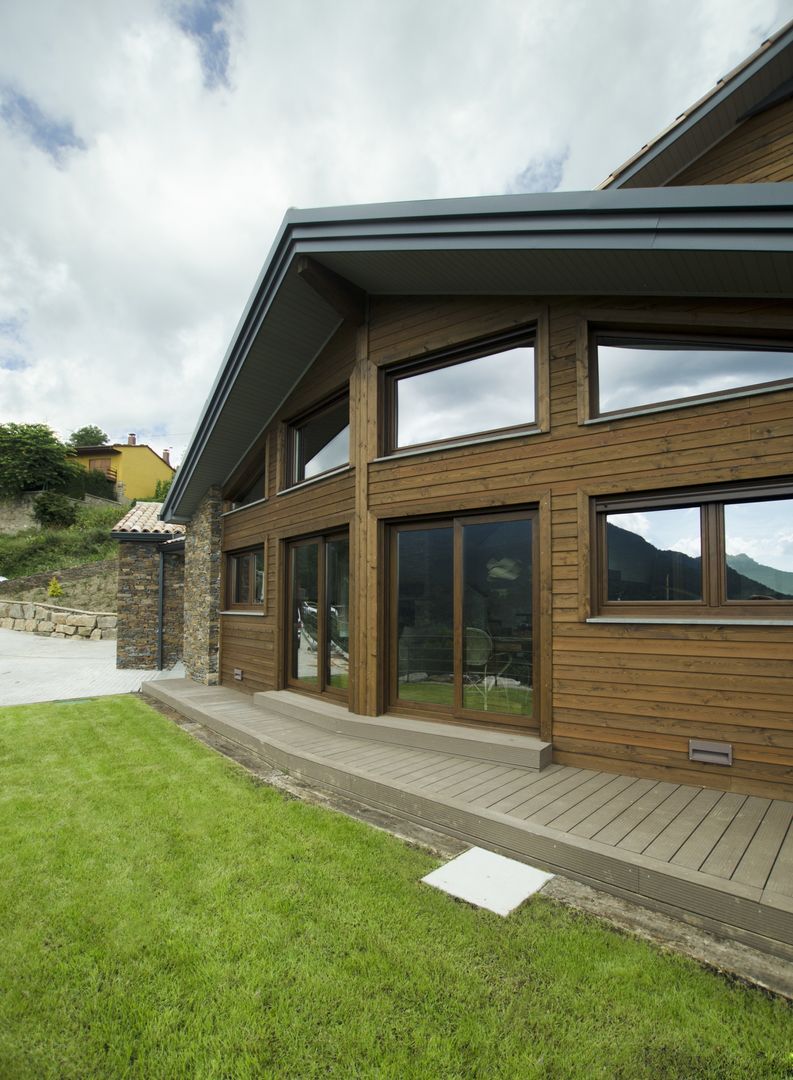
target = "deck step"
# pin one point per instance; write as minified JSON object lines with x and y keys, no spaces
{"x":524,"y":751}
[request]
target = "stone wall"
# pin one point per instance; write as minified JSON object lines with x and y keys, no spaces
{"x":202,"y":591}
{"x":173,"y":610}
{"x":138,"y":590}
{"x":17,"y":514}
{"x":71,"y":573}
{"x":57,"y":622}
{"x":139,"y":606}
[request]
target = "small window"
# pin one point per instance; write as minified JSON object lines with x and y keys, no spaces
{"x":633,"y":372}
{"x":320,"y":441}
{"x":245,"y":579}
{"x":250,"y":492}
{"x":465,"y":392}
{"x":709,"y":553}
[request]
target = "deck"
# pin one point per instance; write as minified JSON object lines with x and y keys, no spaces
{"x":717,"y":859}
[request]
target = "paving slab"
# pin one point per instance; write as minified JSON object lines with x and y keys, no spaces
{"x":36,"y":669}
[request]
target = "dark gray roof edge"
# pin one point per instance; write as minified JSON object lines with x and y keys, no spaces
{"x":688,"y":119}
{"x":593,"y":212}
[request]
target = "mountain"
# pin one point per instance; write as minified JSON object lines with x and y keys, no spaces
{"x":781,"y":581}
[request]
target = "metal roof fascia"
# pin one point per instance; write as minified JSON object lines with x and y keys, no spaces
{"x":326,"y":229}
{"x":698,"y":112}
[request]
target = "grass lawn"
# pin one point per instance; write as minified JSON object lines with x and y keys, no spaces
{"x":163,"y":915}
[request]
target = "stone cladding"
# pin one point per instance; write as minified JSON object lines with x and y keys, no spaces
{"x":138,"y":583}
{"x":202,"y":591}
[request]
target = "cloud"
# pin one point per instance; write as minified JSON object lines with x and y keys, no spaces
{"x":150,"y":150}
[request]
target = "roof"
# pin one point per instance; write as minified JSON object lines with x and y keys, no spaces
{"x":715,"y":241}
{"x":758,"y":82}
{"x":119,"y":448}
{"x":103,"y":449}
{"x":144,"y":520}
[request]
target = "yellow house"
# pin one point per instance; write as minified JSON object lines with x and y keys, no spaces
{"x":134,"y":468}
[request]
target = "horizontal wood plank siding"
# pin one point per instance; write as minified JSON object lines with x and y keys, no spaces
{"x":759,"y":151}
{"x":624,"y":697}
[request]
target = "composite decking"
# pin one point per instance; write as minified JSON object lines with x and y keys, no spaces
{"x":717,"y":859}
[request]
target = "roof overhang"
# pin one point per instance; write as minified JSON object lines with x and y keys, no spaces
{"x":715,"y":241}
{"x":757,"y":83}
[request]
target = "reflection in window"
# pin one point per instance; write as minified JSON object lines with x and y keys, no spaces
{"x":425,"y":619}
{"x":246,"y":578}
{"x":633,"y":373}
{"x":467,"y":397}
{"x":758,"y":540}
{"x":320,"y":442}
{"x":642,"y":565}
{"x":250,"y":492}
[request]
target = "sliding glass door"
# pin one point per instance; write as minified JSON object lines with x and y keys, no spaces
{"x":462,"y":607}
{"x":318,"y":614}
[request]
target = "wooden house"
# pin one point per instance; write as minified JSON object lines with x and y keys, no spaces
{"x":523,"y":466}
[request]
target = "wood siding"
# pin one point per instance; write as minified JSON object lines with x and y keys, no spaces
{"x":623,"y":697}
{"x":758,"y":151}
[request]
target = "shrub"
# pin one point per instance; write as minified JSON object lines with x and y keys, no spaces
{"x":54,"y":510}
{"x":54,"y":589}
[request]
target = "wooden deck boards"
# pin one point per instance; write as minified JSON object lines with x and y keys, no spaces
{"x":705,"y":855}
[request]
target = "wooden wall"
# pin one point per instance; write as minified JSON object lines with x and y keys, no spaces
{"x":759,"y":151}
{"x":622,"y":697}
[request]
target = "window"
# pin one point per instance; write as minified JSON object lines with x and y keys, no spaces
{"x":717,"y":552}
{"x":245,"y":579}
{"x":250,"y":491}
{"x":631,"y":371}
{"x":249,"y":484}
{"x":463,"y":392}
{"x":319,"y":442}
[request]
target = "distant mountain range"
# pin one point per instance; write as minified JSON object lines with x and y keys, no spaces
{"x":779,"y":580}
{"x":640,"y":571}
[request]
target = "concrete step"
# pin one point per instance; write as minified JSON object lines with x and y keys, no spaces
{"x":506,"y":748}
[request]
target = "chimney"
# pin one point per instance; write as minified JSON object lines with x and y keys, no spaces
{"x":166,"y":456}
{"x":131,"y":440}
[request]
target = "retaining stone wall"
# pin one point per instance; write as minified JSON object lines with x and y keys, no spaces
{"x":57,"y":622}
{"x":202,"y":591}
{"x":17,"y":514}
{"x":71,"y":573}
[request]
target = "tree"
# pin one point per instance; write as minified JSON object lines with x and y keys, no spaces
{"x":90,"y":435}
{"x":55,"y":511}
{"x":31,"y":458}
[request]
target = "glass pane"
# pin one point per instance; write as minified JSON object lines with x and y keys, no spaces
{"x":305,"y":630}
{"x":258,"y":576}
{"x":497,"y":617}
{"x":655,"y":555}
{"x":323,"y":442}
{"x":253,"y":492}
{"x":425,"y":606}
{"x":483,"y":394}
{"x":759,"y":543}
{"x":337,"y":587}
{"x":634,"y":374}
{"x":242,"y":579}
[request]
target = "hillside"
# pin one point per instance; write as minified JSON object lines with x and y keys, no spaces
{"x":39,"y":554}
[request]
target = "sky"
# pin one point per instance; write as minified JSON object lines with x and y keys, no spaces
{"x":149,"y":150}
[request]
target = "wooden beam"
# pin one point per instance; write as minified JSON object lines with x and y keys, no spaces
{"x":344,"y":297}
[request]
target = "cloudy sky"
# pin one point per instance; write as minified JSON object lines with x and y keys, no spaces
{"x":148,"y":151}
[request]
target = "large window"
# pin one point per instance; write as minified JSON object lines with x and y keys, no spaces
{"x":631,"y":371}
{"x":245,"y":579}
{"x":708,"y":553}
{"x":462,"y":603}
{"x":319,"y":441}
{"x":463,"y":392}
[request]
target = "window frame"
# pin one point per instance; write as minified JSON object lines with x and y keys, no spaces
{"x":715,"y":602}
{"x":525,"y":335}
{"x":292,"y":429}
{"x":233,"y":559}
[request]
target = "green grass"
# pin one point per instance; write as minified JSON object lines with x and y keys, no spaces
{"x":164,"y":916}
{"x":37,"y":550}
{"x":514,"y":701}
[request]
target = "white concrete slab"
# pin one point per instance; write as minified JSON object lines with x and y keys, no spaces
{"x":34,"y":669}
{"x":488,"y":880}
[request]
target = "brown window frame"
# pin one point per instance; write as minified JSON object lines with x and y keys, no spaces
{"x":694,"y":338}
{"x":233,"y":559}
{"x":293,"y":428}
{"x":459,"y":354}
{"x":711,"y":503}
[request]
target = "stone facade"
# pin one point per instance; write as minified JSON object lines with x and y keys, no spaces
{"x":57,"y":622}
{"x":173,"y":610}
{"x":138,"y":590}
{"x":202,"y":591}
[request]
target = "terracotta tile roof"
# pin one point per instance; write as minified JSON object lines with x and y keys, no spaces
{"x":144,"y":518}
